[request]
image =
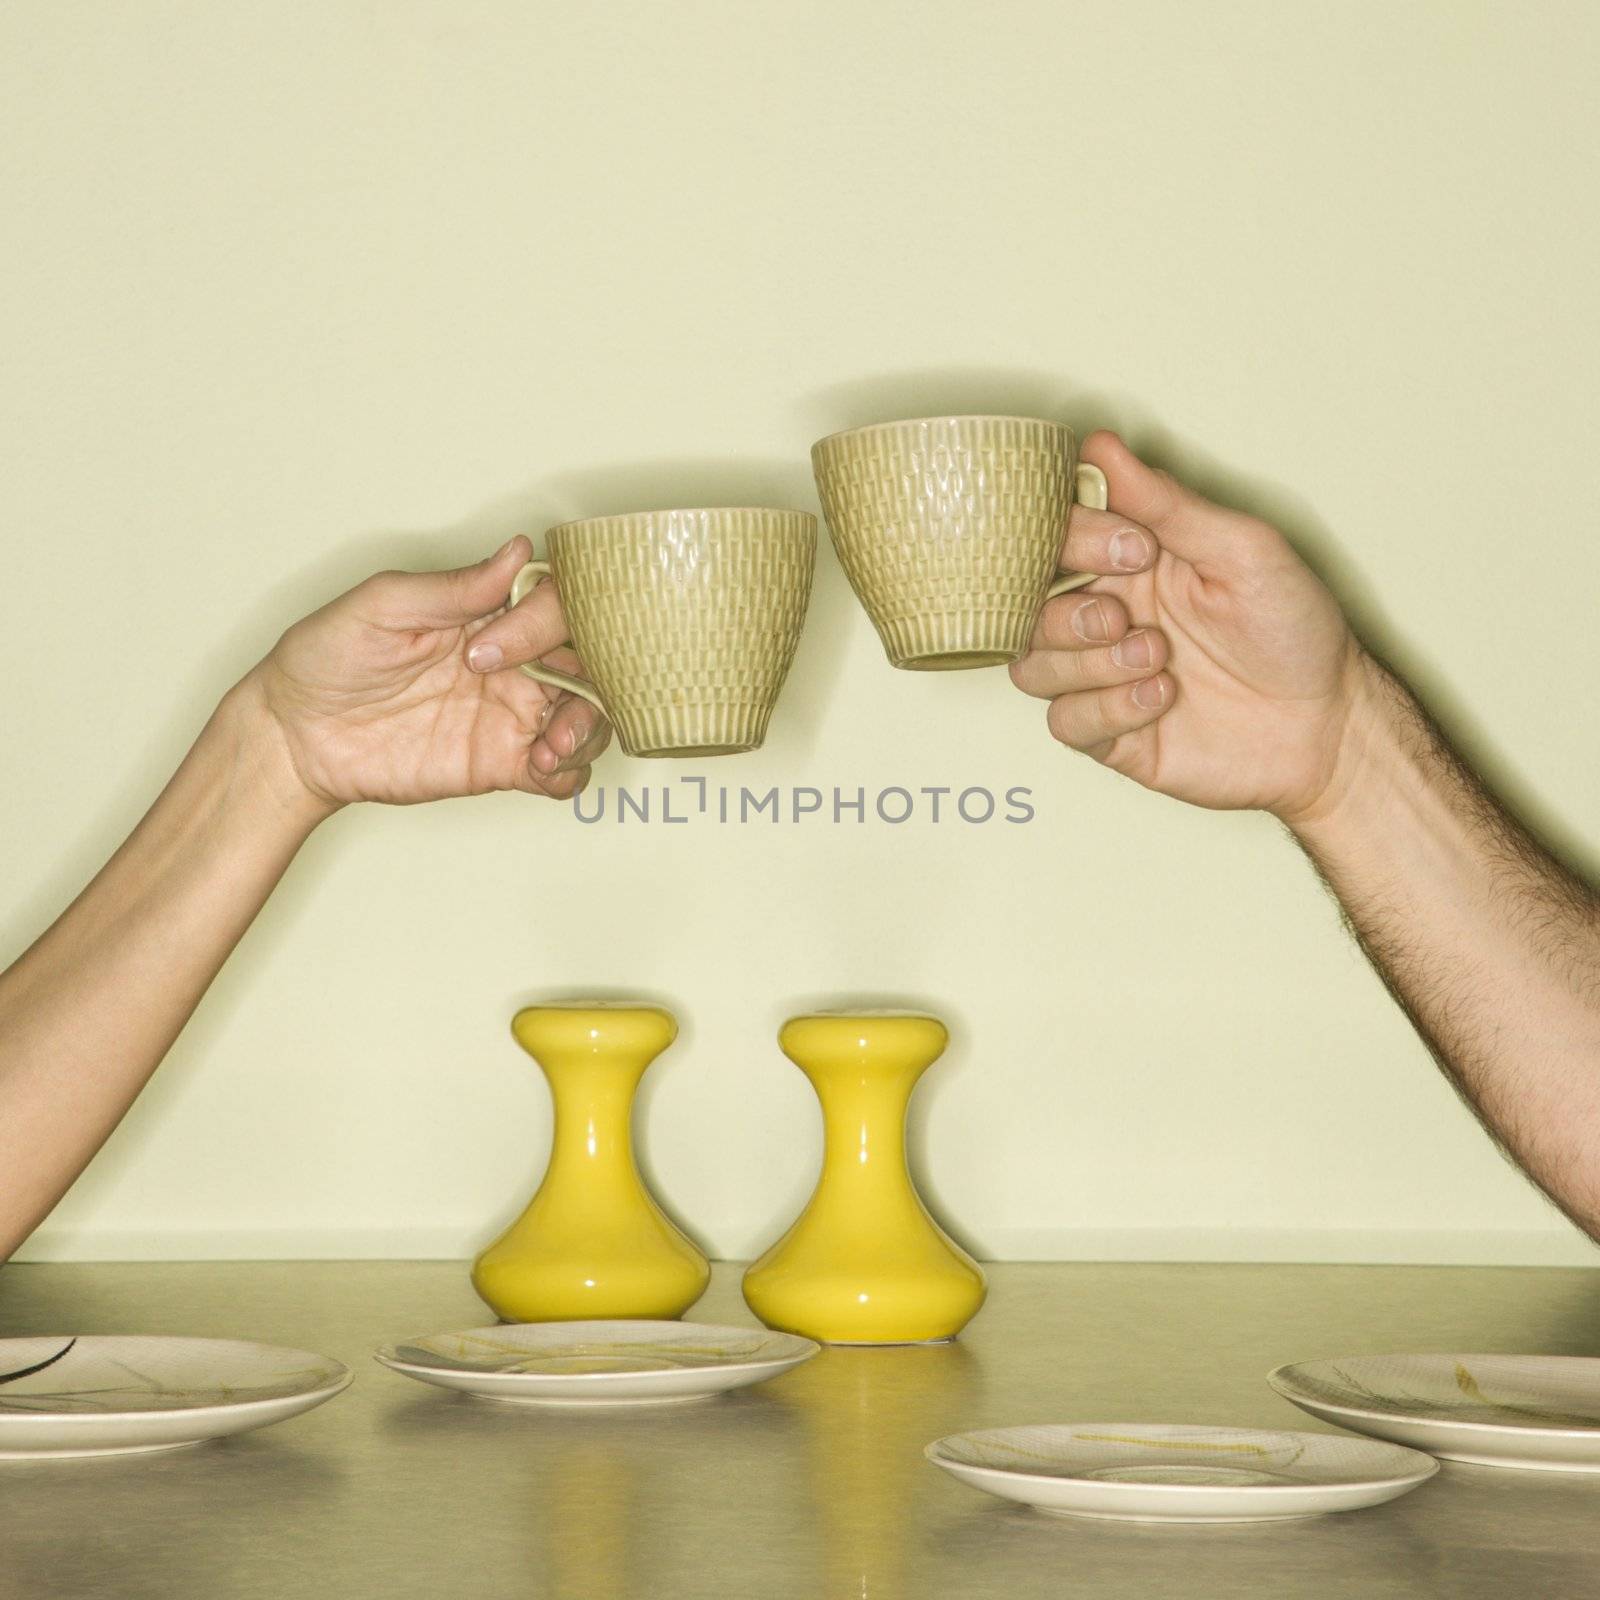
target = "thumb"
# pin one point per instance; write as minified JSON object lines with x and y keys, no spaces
{"x":446,"y":599}
{"x":1211,"y":538}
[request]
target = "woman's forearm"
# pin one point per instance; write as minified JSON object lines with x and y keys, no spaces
{"x":1490,"y":945}
{"x":88,"y":1012}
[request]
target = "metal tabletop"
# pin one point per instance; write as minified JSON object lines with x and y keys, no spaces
{"x":813,"y":1485}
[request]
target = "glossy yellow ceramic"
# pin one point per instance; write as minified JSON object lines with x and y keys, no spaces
{"x":865,"y":1264}
{"x":592,"y":1243}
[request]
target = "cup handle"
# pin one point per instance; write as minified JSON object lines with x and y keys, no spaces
{"x":1092,"y":492}
{"x":521,"y":586}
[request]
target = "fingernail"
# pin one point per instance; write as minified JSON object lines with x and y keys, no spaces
{"x":485,"y":657}
{"x":1089,"y":622}
{"x":1134,"y":651}
{"x":1130,"y":550}
{"x":1150,"y":695}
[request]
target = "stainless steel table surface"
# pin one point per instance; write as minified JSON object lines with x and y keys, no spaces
{"x":813,"y":1485}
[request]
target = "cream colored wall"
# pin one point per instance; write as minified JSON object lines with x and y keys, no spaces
{"x":294,"y":291}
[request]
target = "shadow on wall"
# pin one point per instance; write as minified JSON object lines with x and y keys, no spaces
{"x":784,"y":481}
{"x":936,"y":391}
{"x":259,"y":619}
{"x":778,"y":481}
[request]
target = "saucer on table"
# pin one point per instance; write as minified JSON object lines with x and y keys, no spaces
{"x":1541,"y":1412}
{"x":110,"y":1395}
{"x":1138,"y":1472}
{"x":619,"y":1362}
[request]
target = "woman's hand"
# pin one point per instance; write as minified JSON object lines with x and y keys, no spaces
{"x":1210,"y":663}
{"x":377,"y":699}
{"x":371,"y":698}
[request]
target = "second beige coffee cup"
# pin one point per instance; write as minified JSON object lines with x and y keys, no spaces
{"x":949,"y":530}
{"x":686,"y":621}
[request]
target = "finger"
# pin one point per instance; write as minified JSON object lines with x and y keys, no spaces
{"x":590,"y":750}
{"x":414,"y":600}
{"x":555,"y":785}
{"x":1078,"y":621}
{"x":1048,"y":673}
{"x":564,"y":659}
{"x":1097,"y":716}
{"x":533,"y":702}
{"x":1107,"y":543}
{"x":1212,"y":538}
{"x":527,"y":632}
{"x":573,"y":736}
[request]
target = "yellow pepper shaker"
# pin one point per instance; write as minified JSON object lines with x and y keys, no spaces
{"x":865,"y":1263}
{"x":592,"y":1242}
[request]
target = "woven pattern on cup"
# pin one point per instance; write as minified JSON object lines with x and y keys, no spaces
{"x":949,"y":528}
{"x":687,"y":620}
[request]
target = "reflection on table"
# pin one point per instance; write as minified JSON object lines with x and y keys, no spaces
{"x":812,"y":1486}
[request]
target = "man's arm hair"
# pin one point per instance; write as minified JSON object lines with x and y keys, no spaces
{"x":1489,"y":944}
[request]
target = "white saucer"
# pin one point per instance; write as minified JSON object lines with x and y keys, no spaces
{"x":1138,"y":1472}
{"x":616,"y":1363}
{"x":101,"y":1396}
{"x":1499,"y":1411}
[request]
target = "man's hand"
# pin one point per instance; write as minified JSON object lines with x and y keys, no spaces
{"x":399,"y":692}
{"x":1218,"y":670}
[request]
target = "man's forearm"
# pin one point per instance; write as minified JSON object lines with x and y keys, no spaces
{"x":88,"y":1012}
{"x":1490,"y":945}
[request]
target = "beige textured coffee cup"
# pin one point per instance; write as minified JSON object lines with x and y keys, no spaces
{"x":686,"y":621}
{"x":949,"y":530}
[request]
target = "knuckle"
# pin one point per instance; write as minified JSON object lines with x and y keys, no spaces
{"x":1110,"y":711}
{"x":1068,"y":722}
{"x":384,"y":597}
{"x":1038,"y":675}
{"x":530,"y":604}
{"x":1255,"y":535}
{"x":1169,"y":492}
{"x":382,"y":586}
{"x":1119,"y":754}
{"x":565,"y":784}
{"x":1088,"y":522}
{"x":1104,"y":667}
{"x":1054,"y":627}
